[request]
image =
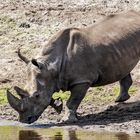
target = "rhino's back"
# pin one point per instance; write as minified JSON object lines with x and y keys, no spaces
{"x":115,"y":45}
{"x":114,"y":28}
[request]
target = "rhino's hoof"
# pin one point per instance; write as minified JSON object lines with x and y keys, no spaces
{"x":122,"y":98}
{"x":71,"y":119}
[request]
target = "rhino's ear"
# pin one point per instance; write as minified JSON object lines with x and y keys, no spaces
{"x":22,"y":57}
{"x":75,"y":35}
{"x":37,"y":64}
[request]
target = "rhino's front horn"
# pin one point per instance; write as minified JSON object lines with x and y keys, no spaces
{"x":14,"y":102}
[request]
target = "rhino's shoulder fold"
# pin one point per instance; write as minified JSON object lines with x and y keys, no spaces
{"x":59,"y":42}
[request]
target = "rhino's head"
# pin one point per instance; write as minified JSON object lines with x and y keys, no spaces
{"x":28,"y":108}
{"x":41,"y":84}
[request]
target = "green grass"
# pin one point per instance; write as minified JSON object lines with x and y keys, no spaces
{"x":3,"y":98}
{"x":62,"y":95}
{"x":133,"y":90}
{"x":106,"y":94}
{"x":97,"y":95}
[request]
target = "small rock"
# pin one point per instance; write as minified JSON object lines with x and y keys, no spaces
{"x":102,"y":126}
{"x":126,"y":1}
{"x":24,"y":25}
{"x":137,"y":131}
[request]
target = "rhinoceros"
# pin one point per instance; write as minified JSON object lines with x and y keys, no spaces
{"x":78,"y":58}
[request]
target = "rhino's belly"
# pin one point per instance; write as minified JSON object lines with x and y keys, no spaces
{"x":114,"y":73}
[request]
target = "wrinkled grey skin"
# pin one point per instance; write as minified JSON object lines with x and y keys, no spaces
{"x":76,"y":59}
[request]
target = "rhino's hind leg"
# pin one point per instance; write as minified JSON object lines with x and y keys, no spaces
{"x":77,"y":94}
{"x":125,"y":84}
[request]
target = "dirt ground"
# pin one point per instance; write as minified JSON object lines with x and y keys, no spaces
{"x":29,"y":24}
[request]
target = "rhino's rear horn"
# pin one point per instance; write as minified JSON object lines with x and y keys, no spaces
{"x":23,"y":58}
{"x":22,"y":93}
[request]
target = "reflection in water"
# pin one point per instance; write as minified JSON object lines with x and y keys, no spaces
{"x":29,"y":135}
{"x":69,"y":135}
{"x":122,"y":136}
{"x":33,"y":135}
{"x":58,"y":136}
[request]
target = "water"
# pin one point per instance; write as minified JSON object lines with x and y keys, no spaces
{"x":12,"y":130}
{"x":25,"y":133}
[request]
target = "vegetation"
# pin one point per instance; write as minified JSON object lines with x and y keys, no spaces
{"x":62,"y":95}
{"x":3,"y":99}
{"x":98,"y":95}
{"x":106,"y":94}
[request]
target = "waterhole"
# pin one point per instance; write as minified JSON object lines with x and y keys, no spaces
{"x":24,"y":132}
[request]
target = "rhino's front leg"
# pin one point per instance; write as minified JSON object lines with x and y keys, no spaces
{"x":77,"y":94}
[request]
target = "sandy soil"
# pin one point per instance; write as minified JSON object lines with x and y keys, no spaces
{"x":30,"y":24}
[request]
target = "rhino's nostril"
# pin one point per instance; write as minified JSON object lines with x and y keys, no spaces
{"x":29,"y":118}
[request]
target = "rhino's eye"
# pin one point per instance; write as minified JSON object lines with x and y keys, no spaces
{"x":37,"y":96}
{"x":35,"y":99}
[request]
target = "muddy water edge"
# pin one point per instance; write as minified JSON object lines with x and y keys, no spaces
{"x":15,"y":131}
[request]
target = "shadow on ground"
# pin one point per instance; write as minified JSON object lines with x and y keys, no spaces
{"x":118,"y":113}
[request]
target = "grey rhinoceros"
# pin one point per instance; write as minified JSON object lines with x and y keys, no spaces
{"x":78,"y":58}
